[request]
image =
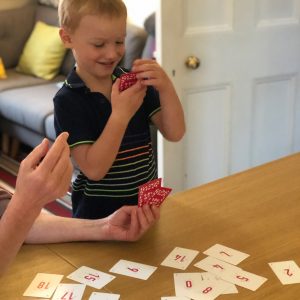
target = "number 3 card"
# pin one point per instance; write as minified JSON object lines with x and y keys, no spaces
{"x":43,"y":285}
{"x":91,"y":277}
{"x":133,"y":269}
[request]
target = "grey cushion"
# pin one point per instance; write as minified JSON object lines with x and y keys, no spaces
{"x":17,"y":80}
{"x":134,"y":44}
{"x":15,"y":27}
{"x":47,"y":15}
{"x":49,"y":127}
{"x":29,"y":106}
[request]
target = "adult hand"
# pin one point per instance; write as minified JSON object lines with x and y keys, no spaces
{"x":129,"y":223}
{"x":44,"y":174}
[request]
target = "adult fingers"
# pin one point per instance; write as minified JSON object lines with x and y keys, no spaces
{"x":50,"y":160}
{"x":35,"y":156}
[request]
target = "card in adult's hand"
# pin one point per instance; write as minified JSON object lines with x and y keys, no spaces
{"x":43,"y":285}
{"x":127,"y":80}
{"x":146,"y":191}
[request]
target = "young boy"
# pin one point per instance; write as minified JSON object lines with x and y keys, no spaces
{"x":108,"y":130}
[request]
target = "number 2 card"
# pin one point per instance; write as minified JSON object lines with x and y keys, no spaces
{"x":287,"y":272}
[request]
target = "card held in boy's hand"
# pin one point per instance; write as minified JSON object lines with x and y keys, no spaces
{"x":127,"y":80}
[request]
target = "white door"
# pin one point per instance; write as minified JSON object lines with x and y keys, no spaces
{"x":242,"y":105}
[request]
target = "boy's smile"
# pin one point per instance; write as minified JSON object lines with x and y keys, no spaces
{"x":97,"y":44}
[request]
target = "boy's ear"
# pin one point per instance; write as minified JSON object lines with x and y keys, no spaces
{"x":65,"y":37}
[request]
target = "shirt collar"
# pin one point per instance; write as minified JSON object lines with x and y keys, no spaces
{"x":74,"y":81}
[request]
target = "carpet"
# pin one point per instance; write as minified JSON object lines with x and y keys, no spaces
{"x":8,"y":175}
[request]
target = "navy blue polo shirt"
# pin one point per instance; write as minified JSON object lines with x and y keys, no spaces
{"x":84,"y":114}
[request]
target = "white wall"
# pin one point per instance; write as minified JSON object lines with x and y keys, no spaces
{"x":139,"y":10}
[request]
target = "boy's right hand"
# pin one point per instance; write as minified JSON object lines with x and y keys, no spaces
{"x":127,"y":102}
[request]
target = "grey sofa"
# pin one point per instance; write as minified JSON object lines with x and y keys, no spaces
{"x":26,"y":105}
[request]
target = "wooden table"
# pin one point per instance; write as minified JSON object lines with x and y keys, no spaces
{"x":256,"y":211}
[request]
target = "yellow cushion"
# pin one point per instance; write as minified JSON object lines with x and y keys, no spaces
{"x":2,"y":70}
{"x":43,"y":53}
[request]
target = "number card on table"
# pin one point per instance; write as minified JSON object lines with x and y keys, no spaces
{"x":195,"y":286}
{"x":287,"y":272}
{"x":180,"y":258}
{"x":43,"y":285}
{"x":231,"y":273}
{"x":226,"y":254}
{"x":66,"y":291}
{"x":133,"y":269}
{"x":91,"y":277}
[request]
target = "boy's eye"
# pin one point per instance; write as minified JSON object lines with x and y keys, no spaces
{"x":119,"y":42}
{"x":98,"y":45}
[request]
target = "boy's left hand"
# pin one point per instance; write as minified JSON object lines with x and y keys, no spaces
{"x":151,"y":73}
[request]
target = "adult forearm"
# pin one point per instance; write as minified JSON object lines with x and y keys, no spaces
{"x":14,"y":226}
{"x":54,"y":229}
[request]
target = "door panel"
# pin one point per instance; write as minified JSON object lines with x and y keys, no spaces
{"x":242,"y":104}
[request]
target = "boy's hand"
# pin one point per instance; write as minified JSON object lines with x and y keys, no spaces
{"x":127,"y":102}
{"x":149,"y":72}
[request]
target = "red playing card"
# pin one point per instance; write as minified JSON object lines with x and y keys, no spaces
{"x":146,"y":190}
{"x":127,"y":80}
{"x":159,"y":195}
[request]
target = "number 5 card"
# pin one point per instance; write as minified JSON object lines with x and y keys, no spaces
{"x":133,"y":269}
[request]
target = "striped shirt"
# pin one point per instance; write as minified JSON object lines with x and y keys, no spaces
{"x":84,"y":115}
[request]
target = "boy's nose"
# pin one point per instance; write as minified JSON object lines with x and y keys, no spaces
{"x":113,"y":52}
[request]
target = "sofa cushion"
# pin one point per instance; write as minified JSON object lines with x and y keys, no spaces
{"x":15,"y":27}
{"x":17,"y":80}
{"x":29,"y":106}
{"x":49,"y":15}
{"x":49,"y":127}
{"x":134,"y":44}
{"x":43,"y":52}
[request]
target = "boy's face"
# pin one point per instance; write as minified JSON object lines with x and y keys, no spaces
{"x":97,"y":44}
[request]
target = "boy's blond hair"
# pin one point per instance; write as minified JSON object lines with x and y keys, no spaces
{"x":70,"y":12}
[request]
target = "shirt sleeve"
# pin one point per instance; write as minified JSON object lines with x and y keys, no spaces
{"x":152,"y":102}
{"x":69,"y":116}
